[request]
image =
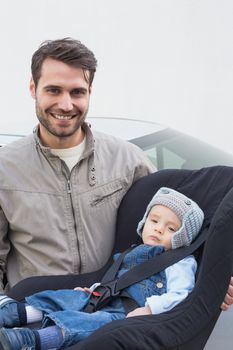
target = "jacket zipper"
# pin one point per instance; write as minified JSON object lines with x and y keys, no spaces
{"x":69,"y":192}
{"x":68,"y":187}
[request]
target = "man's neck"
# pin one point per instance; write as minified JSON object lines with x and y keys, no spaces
{"x":55,"y":142}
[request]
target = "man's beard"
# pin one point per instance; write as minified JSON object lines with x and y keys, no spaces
{"x":61,"y":132}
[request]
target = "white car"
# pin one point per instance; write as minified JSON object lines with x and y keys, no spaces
{"x":165,"y":147}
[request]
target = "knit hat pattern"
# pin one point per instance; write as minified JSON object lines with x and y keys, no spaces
{"x":188,"y":211}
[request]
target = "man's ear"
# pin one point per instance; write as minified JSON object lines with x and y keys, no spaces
{"x":32,"y":88}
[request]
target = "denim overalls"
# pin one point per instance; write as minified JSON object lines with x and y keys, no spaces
{"x":64,"y":307}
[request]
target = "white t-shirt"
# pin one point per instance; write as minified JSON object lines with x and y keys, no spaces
{"x":71,"y":155}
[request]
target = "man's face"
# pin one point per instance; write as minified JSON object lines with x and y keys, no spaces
{"x":62,"y":100}
{"x":160,"y":226}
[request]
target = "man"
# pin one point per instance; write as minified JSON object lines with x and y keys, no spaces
{"x":60,"y":188}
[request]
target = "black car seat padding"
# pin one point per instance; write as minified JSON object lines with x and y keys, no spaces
{"x":188,"y":325}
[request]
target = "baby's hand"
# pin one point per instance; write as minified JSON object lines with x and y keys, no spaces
{"x":140,"y":311}
{"x":85,"y":289}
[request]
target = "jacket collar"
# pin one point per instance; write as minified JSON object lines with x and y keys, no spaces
{"x":89,"y":140}
{"x":88,"y":152}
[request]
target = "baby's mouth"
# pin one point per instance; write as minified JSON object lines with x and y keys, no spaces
{"x":154,"y":238}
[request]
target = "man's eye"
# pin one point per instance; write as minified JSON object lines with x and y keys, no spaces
{"x":78,"y":92}
{"x":53,"y":91}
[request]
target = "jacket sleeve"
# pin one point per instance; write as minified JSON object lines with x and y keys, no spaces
{"x":143,"y":164}
{"x":4,"y":246}
{"x":180,"y":282}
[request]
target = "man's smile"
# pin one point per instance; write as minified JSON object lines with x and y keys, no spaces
{"x":62,"y":116}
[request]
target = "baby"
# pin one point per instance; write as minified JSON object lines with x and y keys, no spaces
{"x":171,"y":220}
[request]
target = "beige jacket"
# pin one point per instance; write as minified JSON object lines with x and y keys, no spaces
{"x":53,"y":221}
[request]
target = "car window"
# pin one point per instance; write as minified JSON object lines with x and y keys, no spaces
{"x":170,"y":149}
{"x":163,"y":158}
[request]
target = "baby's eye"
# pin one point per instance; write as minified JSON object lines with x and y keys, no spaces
{"x":154,"y":220}
{"x":171,"y":229}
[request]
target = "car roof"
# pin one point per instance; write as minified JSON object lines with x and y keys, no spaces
{"x":7,"y":138}
{"x":125,"y":128}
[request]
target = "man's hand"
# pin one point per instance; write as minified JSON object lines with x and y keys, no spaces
{"x":140,"y":311}
{"x":85,"y":289}
{"x":228,"y":301}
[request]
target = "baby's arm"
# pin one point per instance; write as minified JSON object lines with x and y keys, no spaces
{"x":180,"y":282}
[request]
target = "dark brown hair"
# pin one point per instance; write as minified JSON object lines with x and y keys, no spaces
{"x":68,"y":51}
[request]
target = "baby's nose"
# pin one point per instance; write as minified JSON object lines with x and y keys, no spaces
{"x":160,"y":229}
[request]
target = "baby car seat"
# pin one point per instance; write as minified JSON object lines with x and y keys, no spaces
{"x":188,"y":325}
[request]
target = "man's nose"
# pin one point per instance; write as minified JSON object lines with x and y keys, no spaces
{"x":65,"y":102}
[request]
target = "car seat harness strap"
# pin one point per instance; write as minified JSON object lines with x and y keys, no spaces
{"x":112,"y":287}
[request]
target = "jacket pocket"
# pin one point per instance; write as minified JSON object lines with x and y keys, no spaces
{"x":109,"y":192}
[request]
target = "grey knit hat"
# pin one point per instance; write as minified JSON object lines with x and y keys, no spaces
{"x":189,"y":213}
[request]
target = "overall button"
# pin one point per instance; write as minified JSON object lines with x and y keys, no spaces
{"x":159,"y":285}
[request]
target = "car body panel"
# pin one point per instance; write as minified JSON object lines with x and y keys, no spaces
{"x":165,"y":147}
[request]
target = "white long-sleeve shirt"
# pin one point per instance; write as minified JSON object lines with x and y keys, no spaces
{"x":180,"y":282}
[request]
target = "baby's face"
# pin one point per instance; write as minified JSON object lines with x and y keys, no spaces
{"x":160,"y":226}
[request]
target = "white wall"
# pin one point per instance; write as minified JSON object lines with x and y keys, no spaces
{"x":169,"y":61}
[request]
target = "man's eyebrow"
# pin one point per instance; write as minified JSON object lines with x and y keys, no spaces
{"x":82,"y":89}
{"x":78,"y":88}
{"x":52,"y":87}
